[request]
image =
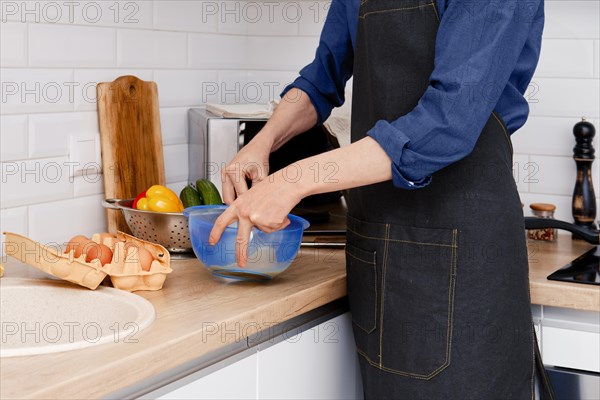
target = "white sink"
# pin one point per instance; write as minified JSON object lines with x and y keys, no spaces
{"x":41,"y":316}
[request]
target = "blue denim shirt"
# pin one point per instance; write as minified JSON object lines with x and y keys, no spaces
{"x":486,"y":53}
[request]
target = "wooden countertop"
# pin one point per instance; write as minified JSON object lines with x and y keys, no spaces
{"x":544,"y":259}
{"x":192,"y":304}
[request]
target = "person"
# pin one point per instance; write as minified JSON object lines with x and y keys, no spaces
{"x":436,"y":259}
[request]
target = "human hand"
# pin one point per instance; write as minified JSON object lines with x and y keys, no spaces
{"x":266,"y":205}
{"x":252,"y":163}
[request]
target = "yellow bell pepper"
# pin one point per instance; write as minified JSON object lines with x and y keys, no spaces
{"x":142,"y":204}
{"x":162,"y":204}
{"x":161,"y":199}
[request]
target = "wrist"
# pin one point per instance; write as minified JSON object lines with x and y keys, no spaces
{"x":293,"y":181}
{"x":266,"y":138}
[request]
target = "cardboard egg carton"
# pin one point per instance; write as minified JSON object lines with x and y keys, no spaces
{"x":125,"y":270}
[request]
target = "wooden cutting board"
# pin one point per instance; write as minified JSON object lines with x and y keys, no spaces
{"x":131,"y":141}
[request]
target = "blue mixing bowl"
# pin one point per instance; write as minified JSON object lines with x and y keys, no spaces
{"x":269,"y":254}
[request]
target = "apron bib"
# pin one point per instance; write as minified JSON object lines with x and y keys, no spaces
{"x":437,"y":277}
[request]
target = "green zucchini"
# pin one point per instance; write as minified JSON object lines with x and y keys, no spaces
{"x":190,"y":197}
{"x":209,"y":192}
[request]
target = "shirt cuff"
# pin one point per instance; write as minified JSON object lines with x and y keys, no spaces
{"x":393,"y":142}
{"x":322,"y":106}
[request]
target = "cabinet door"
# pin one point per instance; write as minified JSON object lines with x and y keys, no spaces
{"x":319,"y":363}
{"x":570,"y":348}
{"x":571,"y":339}
{"x":235,"y":381}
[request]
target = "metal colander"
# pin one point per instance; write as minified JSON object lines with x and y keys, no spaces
{"x":170,"y":230}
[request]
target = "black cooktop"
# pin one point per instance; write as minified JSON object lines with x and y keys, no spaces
{"x":583,"y":269}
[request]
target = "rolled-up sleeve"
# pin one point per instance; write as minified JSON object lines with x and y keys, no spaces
{"x":478,"y":47}
{"x":324,"y":79}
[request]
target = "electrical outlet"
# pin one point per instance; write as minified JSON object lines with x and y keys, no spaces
{"x":84,"y":155}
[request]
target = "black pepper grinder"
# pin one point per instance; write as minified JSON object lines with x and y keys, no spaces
{"x":584,"y":199}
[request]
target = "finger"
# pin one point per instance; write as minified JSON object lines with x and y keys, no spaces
{"x":238,"y":178}
{"x":227,"y":188}
{"x":221,"y":223}
{"x":241,"y":242}
{"x":257,"y":172}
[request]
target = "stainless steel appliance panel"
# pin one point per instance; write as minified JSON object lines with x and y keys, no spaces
{"x":574,"y":385}
{"x":213,"y":142}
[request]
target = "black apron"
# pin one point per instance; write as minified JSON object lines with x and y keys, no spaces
{"x":437,"y":277}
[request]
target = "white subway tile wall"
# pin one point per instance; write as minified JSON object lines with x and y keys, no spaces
{"x":596,"y":58}
{"x":12,"y":220}
{"x":151,"y":49}
{"x":58,"y":221}
{"x":53,"y":54}
{"x":174,"y":125}
{"x":565,"y":89}
{"x":88,"y":184}
{"x":13,"y":137}
{"x":567,"y":58}
{"x":49,"y":133}
{"x":35,"y":181}
{"x":71,"y":46}
{"x":206,"y":51}
{"x":26,"y":90}
{"x":176,"y":162}
{"x":13,"y":44}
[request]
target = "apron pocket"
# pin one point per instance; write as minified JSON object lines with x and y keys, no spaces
{"x":361,"y":278}
{"x":417,"y":311}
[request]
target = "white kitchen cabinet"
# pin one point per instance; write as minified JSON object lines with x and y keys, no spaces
{"x":319,"y":363}
{"x":234,"y":381}
{"x":571,"y":339}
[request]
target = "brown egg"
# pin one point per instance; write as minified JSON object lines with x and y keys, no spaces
{"x":146,"y":259}
{"x":75,"y":241}
{"x":99,"y":252}
{"x":140,"y":254}
{"x":84,"y":246}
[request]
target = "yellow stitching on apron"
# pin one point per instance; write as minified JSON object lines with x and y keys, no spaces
{"x":383,"y":271}
{"x":400,"y":241}
{"x":436,"y":12}
{"x":375,"y":285}
{"x":363,"y":329}
{"x":512,"y":151}
{"x":361,"y":221}
{"x":392,"y":371}
{"x":360,"y":259}
{"x":396,"y":9}
{"x":451,"y":297}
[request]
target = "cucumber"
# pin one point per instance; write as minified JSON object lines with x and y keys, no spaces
{"x":208,"y":191}
{"x":190,"y":197}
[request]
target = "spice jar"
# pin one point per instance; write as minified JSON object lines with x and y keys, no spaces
{"x":542,"y":210}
